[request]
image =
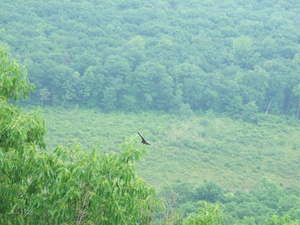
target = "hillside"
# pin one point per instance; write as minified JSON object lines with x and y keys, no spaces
{"x":73,"y":186}
{"x":232,"y":153}
{"x":230,"y":56}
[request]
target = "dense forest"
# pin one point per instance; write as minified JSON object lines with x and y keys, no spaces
{"x":214,"y":84}
{"x":230,"y":56}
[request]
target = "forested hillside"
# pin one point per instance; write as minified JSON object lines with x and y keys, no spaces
{"x":231,"y":56}
{"x":76,"y":187}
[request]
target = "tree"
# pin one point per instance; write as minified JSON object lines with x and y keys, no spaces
{"x":249,"y":111}
{"x":136,"y":51}
{"x":192,"y":80}
{"x":253,"y":85}
{"x":116,"y":70}
{"x":210,"y":192}
{"x":44,"y":95}
{"x":152,"y":86}
{"x":269,"y":192}
{"x":16,"y":130}
{"x":13,"y":82}
{"x":209,"y":214}
{"x":296,"y":92}
{"x":244,"y":52}
{"x":68,"y":186}
{"x":278,"y":220}
{"x":90,"y":86}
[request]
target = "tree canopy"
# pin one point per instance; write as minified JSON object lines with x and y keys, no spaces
{"x":228,"y":56}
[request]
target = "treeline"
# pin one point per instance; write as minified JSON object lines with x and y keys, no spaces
{"x":238,"y":57}
{"x":268,"y":203}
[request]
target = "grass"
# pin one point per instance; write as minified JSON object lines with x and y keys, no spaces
{"x":233,"y":153}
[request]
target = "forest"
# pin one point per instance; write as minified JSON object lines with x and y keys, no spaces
{"x":215,"y":85}
{"x":230,"y":56}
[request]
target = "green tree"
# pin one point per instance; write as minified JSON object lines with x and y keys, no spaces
{"x":90,"y":86}
{"x":280,"y":220}
{"x":244,"y":52}
{"x":116,"y":70}
{"x":13,"y":82}
{"x":153,"y":87}
{"x":269,"y":192}
{"x":192,"y":81}
{"x":210,"y":192}
{"x":296,"y":92}
{"x":209,"y":214}
{"x":253,"y":85}
{"x":135,"y":51}
{"x":249,"y":111}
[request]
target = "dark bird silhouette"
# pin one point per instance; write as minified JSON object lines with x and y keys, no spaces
{"x":144,"y":141}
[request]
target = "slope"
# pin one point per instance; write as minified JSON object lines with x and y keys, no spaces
{"x":233,"y":153}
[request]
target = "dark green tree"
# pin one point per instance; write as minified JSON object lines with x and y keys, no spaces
{"x":210,"y":192}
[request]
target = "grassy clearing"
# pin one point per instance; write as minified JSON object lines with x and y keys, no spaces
{"x":233,"y":153}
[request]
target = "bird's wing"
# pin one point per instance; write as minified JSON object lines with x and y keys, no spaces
{"x":142,"y":136}
{"x":144,"y":139}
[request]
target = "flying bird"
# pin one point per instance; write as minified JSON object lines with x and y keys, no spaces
{"x":144,"y":141}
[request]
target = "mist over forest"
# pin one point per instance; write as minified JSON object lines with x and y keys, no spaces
{"x":213,"y":84}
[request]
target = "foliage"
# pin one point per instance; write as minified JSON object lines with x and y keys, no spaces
{"x":210,"y":192}
{"x":13,"y":78}
{"x":73,"y":187}
{"x":228,"y":56}
{"x":208,"y":214}
{"x":284,"y":220}
{"x":17,"y":130}
{"x":267,"y":203}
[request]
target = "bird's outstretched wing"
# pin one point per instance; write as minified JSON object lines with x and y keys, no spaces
{"x":144,"y":141}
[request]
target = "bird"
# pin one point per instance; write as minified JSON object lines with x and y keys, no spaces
{"x":144,"y":141}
